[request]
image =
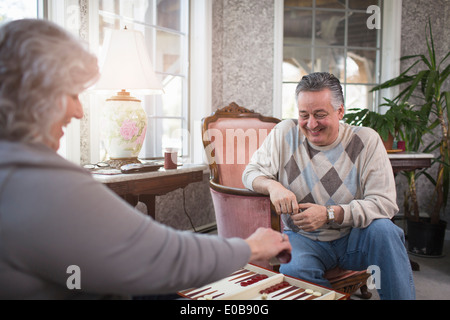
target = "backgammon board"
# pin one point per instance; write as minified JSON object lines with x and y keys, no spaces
{"x":257,"y":283}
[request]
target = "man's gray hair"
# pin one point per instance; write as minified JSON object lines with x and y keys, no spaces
{"x":319,"y":81}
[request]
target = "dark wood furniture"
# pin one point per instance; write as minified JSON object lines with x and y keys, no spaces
{"x":144,"y":187}
{"x":408,"y":161}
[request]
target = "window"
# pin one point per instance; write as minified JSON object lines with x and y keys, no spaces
{"x":332,"y":36}
{"x":165,"y":26}
{"x":65,"y":13}
{"x":19,"y":9}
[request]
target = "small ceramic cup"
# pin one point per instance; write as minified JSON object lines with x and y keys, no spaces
{"x":170,"y":158}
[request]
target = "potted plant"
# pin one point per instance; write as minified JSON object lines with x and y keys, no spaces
{"x":426,"y":235}
{"x":398,"y":122}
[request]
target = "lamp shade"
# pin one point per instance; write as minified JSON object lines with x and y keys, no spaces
{"x":126,"y":64}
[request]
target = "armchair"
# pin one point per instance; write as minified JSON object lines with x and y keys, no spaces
{"x":230,"y":137}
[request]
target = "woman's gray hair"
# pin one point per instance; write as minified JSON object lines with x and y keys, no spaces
{"x":319,"y":81}
{"x":40,"y":64}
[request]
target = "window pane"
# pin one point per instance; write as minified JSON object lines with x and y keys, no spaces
{"x":361,"y":4}
{"x":330,"y":60}
{"x":358,"y":96}
{"x":109,"y":6}
{"x":290,"y":110}
{"x":164,"y":133}
{"x":292,"y":71}
{"x":298,"y":24}
{"x":361,"y":66}
{"x":359,"y":35}
{"x":340,"y":43}
{"x":300,"y":57}
{"x":298,"y":3}
{"x":134,"y":10}
{"x":330,"y":28}
{"x":105,"y":23}
{"x":169,"y":14}
{"x":172,"y":136}
{"x":173,"y":96}
{"x":168,"y":48}
{"x":165,"y":25}
{"x":334,"y":4}
{"x":17,"y":9}
{"x":160,"y":130}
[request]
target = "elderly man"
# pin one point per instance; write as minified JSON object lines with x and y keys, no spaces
{"x":333,"y":185}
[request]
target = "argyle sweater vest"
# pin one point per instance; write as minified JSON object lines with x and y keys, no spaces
{"x":353,"y":172}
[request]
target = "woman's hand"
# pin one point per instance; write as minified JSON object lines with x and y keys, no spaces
{"x":266,"y":243}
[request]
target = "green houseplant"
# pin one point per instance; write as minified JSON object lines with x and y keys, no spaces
{"x":423,"y":82}
{"x":400,"y":121}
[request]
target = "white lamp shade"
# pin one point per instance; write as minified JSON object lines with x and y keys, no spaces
{"x":126,"y":64}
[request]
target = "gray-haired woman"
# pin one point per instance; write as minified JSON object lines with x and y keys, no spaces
{"x":55,"y":219}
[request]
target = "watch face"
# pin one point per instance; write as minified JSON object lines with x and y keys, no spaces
{"x":330,"y":214}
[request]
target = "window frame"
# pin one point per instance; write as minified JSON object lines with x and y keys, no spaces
{"x":389,"y":53}
{"x":199,"y":90}
{"x":95,"y":113}
{"x":56,"y":11}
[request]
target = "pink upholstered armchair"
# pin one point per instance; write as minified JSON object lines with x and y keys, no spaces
{"x":230,"y":137}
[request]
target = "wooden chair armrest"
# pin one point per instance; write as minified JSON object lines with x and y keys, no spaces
{"x":235,"y":191}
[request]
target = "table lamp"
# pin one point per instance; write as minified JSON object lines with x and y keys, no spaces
{"x":126,"y":66}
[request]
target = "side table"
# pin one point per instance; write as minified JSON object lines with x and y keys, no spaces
{"x":408,"y":161}
{"x":144,"y":187}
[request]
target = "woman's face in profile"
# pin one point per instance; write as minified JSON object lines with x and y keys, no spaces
{"x":74,"y":109}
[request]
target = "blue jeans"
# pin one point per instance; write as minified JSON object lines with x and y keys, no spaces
{"x":381,"y":244}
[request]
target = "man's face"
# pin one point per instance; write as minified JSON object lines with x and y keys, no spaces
{"x":317,"y":119}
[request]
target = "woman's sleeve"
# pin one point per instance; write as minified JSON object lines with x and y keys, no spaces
{"x":77,"y":221}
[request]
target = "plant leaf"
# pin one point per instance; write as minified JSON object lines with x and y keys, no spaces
{"x":442,"y":61}
{"x":431,"y":51}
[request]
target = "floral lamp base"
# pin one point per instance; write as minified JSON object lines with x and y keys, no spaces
{"x":123,"y":128}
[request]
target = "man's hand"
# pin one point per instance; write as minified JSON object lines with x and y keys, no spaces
{"x":283,"y":200}
{"x":311,"y":216}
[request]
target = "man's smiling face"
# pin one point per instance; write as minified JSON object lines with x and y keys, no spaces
{"x":317,"y":118}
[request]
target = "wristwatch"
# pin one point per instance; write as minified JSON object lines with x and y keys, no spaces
{"x":330,"y":214}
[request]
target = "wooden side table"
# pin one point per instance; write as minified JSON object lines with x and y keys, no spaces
{"x":144,"y":187}
{"x":408,"y":161}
